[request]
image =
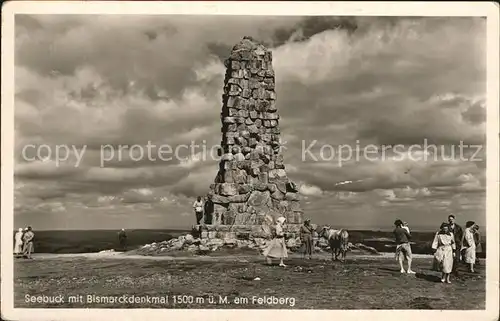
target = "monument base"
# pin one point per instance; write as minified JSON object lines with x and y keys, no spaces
{"x":242,"y":232}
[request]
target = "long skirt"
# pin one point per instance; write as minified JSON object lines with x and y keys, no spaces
{"x":443,"y":259}
{"x":276,"y":249}
{"x":308,"y":245}
{"x":470,"y":254}
{"x":18,"y":247}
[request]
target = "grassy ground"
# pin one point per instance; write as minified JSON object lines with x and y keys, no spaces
{"x":360,"y":283}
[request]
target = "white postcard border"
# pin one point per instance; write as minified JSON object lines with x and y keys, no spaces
{"x":486,"y":9}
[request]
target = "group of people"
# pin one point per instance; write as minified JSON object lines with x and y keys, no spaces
{"x":276,"y":249}
{"x":202,"y":211}
{"x":23,"y":243}
{"x":452,"y":245}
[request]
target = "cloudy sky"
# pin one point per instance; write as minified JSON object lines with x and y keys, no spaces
{"x":89,"y":81}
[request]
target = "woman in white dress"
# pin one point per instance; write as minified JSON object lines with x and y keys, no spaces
{"x":18,"y":244}
{"x":444,"y":246}
{"x":277,"y":247}
{"x":469,"y":245}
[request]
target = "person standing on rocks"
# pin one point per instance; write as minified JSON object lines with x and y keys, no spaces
{"x":198,"y":210}
{"x":306,"y":236}
{"x":277,"y":247}
{"x":208,"y":213}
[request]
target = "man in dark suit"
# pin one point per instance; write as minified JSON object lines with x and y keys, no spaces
{"x":458,"y":234}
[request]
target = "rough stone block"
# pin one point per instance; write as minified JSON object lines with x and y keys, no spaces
{"x":253,"y":129}
{"x":227,"y":157}
{"x":253,"y":115}
{"x":228,"y":189}
{"x":239,"y":176}
{"x":252,"y":179}
{"x":278,"y":195}
{"x":251,"y":104}
{"x":228,"y":176}
{"x":241,"y":218}
{"x":245,"y":133}
{"x":253,"y":84}
{"x":239,"y":198}
{"x":252,"y":142}
{"x":242,"y":141}
{"x":245,"y":188}
{"x":255,"y":172}
{"x":263,"y":177}
{"x":229,"y":120}
{"x":231,"y":127}
{"x":219,"y":199}
{"x":246,"y":151}
{"x":265,"y":137}
{"x":257,"y":198}
{"x":246,"y":93}
{"x":294,"y":206}
{"x":271,"y":116}
{"x":260,"y":186}
{"x":232,"y":112}
{"x":237,"y":73}
{"x":239,"y":157}
{"x":244,"y":84}
{"x":235,"y":65}
{"x":292,"y":196}
{"x":245,"y":55}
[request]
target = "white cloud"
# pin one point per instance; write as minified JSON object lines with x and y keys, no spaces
{"x":387,"y":82}
{"x":310,"y":190}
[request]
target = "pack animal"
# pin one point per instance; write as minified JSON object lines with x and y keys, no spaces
{"x":338,"y":241}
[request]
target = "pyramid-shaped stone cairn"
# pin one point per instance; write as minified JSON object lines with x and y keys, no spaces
{"x":251,"y":187}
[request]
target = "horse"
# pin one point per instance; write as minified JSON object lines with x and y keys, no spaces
{"x":338,"y":241}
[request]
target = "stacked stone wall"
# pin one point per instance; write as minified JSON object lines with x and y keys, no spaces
{"x":251,"y":186}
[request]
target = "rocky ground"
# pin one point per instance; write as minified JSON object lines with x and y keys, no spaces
{"x":199,"y":246}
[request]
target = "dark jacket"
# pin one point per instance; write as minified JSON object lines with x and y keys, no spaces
{"x":401,"y":235}
{"x":458,"y":233}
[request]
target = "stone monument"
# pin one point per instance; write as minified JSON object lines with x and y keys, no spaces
{"x":251,"y":188}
